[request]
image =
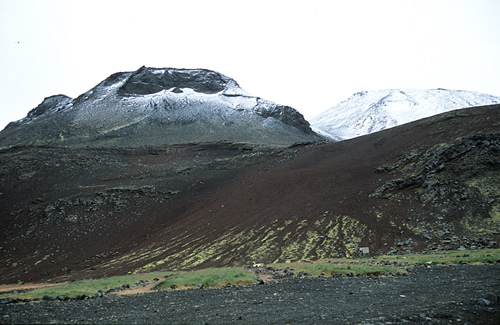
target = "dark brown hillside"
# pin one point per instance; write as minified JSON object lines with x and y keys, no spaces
{"x":75,"y":213}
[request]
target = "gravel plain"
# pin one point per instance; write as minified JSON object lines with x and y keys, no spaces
{"x":429,"y":295}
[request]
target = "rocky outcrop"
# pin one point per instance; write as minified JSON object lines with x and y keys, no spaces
{"x":147,"y":81}
{"x":285,"y":114}
{"x":49,"y":105}
{"x":427,"y":170}
{"x":458,"y":187}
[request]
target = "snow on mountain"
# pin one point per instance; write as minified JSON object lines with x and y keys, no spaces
{"x":159,"y":106}
{"x":371,"y":111}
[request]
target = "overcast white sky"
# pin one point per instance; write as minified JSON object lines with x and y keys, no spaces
{"x":307,"y":54}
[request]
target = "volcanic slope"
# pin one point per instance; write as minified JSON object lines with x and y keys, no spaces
{"x":89,"y":212}
{"x":371,"y":111}
{"x":154,"y":106}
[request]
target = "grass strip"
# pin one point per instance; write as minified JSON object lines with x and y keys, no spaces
{"x":209,"y":278}
{"x":484,"y":256}
{"x":85,"y":287}
{"x":388,"y":264}
{"x":239,"y":276}
{"x":332,"y":269}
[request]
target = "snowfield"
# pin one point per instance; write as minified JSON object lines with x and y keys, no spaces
{"x":371,"y":111}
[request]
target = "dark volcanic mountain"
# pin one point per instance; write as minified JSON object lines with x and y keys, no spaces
{"x":159,"y":106}
{"x":70,"y":213}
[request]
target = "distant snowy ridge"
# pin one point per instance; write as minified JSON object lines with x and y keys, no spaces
{"x":371,"y":111}
{"x":154,"y":106}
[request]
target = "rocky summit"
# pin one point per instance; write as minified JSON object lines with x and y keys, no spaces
{"x":85,"y":212}
{"x":156,"y":107}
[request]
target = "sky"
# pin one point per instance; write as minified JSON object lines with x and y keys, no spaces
{"x":310,"y":54}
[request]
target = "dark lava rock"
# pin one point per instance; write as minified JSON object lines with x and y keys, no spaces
{"x":48,"y":298}
{"x":149,"y":81}
{"x":491,"y":297}
{"x":53,"y":103}
{"x":484,"y":302}
{"x":7,"y":300}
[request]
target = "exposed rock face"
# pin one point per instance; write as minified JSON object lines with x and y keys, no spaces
{"x":49,"y":105}
{"x":149,"y":81}
{"x":53,"y":103}
{"x":457,"y":184}
{"x":470,"y":156}
{"x":159,"y":106}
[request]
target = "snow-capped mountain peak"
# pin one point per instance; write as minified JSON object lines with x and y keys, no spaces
{"x":154,"y":106}
{"x":370,"y":111}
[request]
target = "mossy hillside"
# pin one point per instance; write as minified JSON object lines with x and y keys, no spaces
{"x":458,"y":183}
{"x":482,"y":226}
{"x":489,"y":187}
{"x":469,"y":224}
{"x":285,"y":240}
{"x":282,"y":240}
